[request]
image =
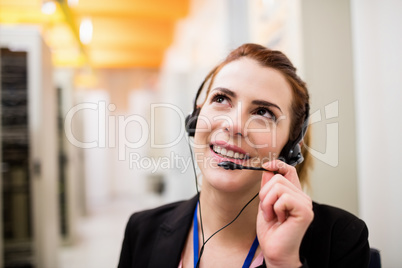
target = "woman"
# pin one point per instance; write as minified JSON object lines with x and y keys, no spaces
{"x":255,"y":115}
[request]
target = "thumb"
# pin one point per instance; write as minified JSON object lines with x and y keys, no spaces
{"x":266,"y":177}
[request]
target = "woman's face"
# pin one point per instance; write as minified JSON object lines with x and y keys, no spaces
{"x":244,"y":119}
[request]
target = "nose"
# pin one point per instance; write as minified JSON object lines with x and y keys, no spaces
{"x":233,"y":123}
{"x":233,"y":133}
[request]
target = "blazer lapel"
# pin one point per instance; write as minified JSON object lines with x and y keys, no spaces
{"x":172,"y":235}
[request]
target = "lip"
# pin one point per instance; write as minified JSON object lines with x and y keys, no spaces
{"x":230,"y":147}
{"x":234,"y":148}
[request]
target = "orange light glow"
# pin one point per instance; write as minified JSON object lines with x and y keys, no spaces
{"x":126,"y":33}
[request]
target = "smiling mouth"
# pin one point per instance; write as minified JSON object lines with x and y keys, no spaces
{"x":228,"y":153}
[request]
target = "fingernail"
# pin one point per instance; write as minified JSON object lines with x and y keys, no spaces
{"x":266,"y":164}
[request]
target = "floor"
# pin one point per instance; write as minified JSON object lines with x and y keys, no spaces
{"x":100,"y":234}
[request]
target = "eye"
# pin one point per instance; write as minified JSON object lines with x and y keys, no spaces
{"x":220,"y":98}
{"x":265,"y":112}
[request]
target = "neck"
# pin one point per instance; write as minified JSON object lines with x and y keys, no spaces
{"x":218,"y":209}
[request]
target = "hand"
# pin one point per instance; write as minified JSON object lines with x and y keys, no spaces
{"x":284,"y":214}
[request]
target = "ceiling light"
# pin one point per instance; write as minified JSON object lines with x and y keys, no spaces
{"x":86,"y":30}
{"x":72,"y":3}
{"x":48,"y":7}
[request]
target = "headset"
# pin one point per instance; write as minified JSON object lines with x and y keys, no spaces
{"x":291,"y":152}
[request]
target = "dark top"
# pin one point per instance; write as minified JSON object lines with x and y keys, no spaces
{"x":156,"y":237}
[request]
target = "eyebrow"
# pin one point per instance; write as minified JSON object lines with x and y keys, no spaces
{"x":255,"y":102}
{"x":265,"y":103}
{"x":226,"y":91}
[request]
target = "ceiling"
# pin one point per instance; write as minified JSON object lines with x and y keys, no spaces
{"x":126,"y":33}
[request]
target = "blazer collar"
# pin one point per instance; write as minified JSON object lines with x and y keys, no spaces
{"x":172,"y":234}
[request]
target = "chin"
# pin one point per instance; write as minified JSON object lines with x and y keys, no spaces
{"x":231,"y":181}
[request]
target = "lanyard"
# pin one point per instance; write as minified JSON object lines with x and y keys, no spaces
{"x":247,"y":261}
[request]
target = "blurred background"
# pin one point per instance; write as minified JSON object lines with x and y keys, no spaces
{"x":94,"y":96}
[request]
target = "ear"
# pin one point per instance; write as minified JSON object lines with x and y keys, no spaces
{"x":301,"y":143}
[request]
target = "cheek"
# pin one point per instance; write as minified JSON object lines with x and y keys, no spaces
{"x":263,"y":135}
{"x":268,"y":142}
{"x":203,"y":128}
{"x":207,"y":132}
{"x":209,"y":127}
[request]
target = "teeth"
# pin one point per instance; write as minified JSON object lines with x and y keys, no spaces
{"x":227,"y":153}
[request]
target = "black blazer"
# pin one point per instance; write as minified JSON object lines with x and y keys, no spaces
{"x":155,"y":238}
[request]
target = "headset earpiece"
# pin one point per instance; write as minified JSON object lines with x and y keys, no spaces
{"x":291,"y":152}
{"x":295,"y":156}
{"x":191,"y":122}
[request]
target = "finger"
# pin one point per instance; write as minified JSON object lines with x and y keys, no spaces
{"x":280,"y":167}
{"x":277,"y":212}
{"x":278,"y":194}
{"x":266,"y":177}
{"x":288,"y":206}
{"x":267,"y":212}
{"x":282,"y":208}
{"x":267,"y":203}
{"x":279,"y":179}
